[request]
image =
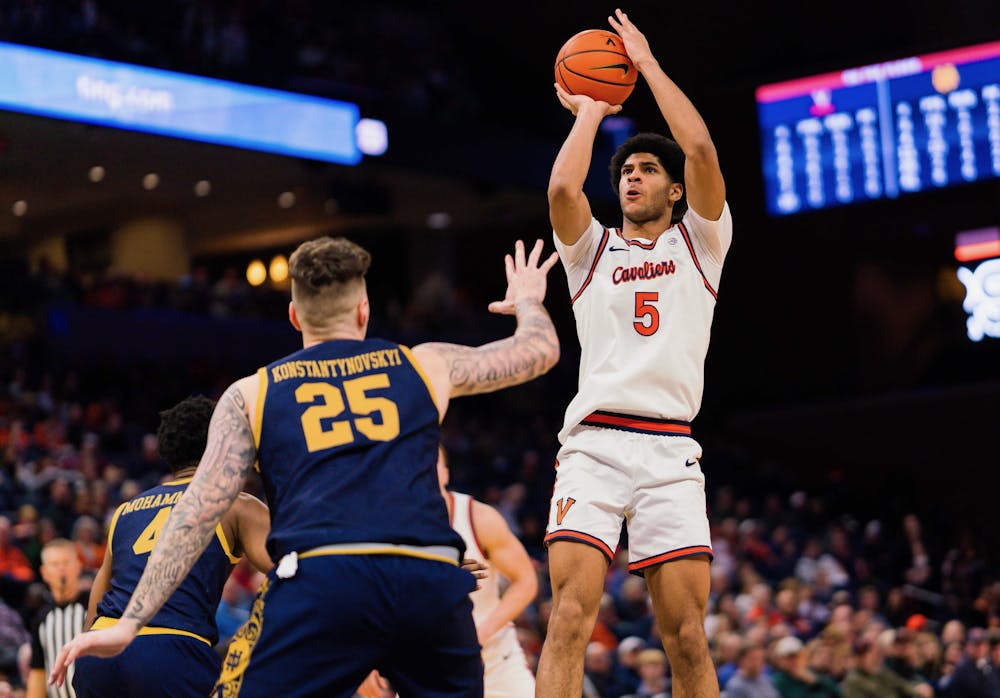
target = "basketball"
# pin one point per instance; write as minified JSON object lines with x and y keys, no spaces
{"x":594,"y":63}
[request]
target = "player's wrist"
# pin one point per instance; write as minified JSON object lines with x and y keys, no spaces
{"x":591,"y":110}
{"x":130,"y":624}
{"x":646,"y":63}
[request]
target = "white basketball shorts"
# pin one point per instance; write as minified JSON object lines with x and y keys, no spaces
{"x":647,"y":472}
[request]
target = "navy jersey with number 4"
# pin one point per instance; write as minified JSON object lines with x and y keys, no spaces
{"x":347,"y":435}
{"x":131,"y":537}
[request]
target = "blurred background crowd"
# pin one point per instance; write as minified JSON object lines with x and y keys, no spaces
{"x":848,"y":423}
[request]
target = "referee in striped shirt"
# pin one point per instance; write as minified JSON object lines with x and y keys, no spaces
{"x":59,"y":621}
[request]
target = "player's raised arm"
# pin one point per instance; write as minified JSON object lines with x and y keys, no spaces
{"x":569,"y":209}
{"x":229,"y":455}
{"x":706,"y":190}
{"x":533,"y":349}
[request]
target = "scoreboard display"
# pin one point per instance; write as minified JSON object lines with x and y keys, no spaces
{"x":881,"y":130}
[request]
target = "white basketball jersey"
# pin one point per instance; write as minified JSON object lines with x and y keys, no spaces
{"x":487,"y":597}
{"x":505,"y":670}
{"x":643,"y":317}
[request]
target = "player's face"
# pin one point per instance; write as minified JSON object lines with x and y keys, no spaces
{"x":645,"y":190}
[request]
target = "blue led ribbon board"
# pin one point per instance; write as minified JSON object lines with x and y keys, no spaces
{"x":64,"y":86}
{"x":878,"y":131}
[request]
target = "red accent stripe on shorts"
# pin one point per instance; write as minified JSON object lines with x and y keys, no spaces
{"x":672,"y":555}
{"x":579,"y":537}
{"x":642,"y":425}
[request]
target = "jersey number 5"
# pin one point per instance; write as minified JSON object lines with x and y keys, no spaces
{"x":644,"y":308}
{"x":340,"y":432}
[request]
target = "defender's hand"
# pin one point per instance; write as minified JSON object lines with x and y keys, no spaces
{"x":636,"y":45}
{"x":525,"y":278}
{"x":96,"y":643}
{"x":577,"y":102}
{"x":478,"y":569}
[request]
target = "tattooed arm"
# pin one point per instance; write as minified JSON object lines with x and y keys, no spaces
{"x":229,"y":455}
{"x":532,"y":350}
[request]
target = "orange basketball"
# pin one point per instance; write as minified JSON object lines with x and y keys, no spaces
{"x":594,"y":63}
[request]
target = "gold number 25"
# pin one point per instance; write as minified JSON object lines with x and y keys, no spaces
{"x":361,"y":406}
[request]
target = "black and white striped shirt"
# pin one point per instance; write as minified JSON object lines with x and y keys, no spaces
{"x":54,"y":626}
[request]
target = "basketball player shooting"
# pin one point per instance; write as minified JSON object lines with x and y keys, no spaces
{"x":643,"y":296}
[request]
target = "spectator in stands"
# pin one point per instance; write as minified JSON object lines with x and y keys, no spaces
{"x":972,"y":676}
{"x":598,"y":680}
{"x":653,"y":681}
{"x":627,"y":669}
{"x":793,"y":678}
{"x":871,"y":679}
{"x":727,"y":656}
{"x":14,"y":564}
{"x":86,"y":535}
{"x":12,"y":637}
{"x":751,"y":681}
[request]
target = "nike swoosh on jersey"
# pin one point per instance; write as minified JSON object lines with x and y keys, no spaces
{"x":618,"y":249}
{"x":691,"y":461}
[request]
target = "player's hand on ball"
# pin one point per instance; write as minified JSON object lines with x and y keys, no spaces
{"x":525,"y":278}
{"x":636,"y":45}
{"x":576,"y":102}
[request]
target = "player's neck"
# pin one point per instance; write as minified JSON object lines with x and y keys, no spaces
{"x":312,"y":337}
{"x":647,"y":230}
{"x":185,"y":472}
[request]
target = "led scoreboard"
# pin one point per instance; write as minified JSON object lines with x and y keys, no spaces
{"x":878,"y":131}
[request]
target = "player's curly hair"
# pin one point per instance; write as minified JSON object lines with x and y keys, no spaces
{"x":183,"y":432}
{"x":666,"y":150}
{"x":321,"y":270}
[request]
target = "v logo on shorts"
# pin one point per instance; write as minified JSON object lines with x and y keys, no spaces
{"x":561,"y":511}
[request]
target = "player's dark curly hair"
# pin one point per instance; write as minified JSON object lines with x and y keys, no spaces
{"x":183,"y":431}
{"x":666,"y":150}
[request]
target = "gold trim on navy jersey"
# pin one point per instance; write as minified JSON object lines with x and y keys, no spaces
{"x":224,"y":542}
{"x":258,"y":413}
{"x":103,"y":622}
{"x":423,"y":376}
{"x":111,"y":527}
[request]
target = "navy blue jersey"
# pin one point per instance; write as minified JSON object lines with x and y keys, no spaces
{"x":347,"y":435}
{"x":133,"y":533}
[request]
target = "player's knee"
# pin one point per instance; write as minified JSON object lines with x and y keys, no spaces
{"x":685,"y":642}
{"x":570,"y":622}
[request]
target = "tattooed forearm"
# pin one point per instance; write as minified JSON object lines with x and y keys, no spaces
{"x":531,"y":351}
{"x":229,"y":455}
